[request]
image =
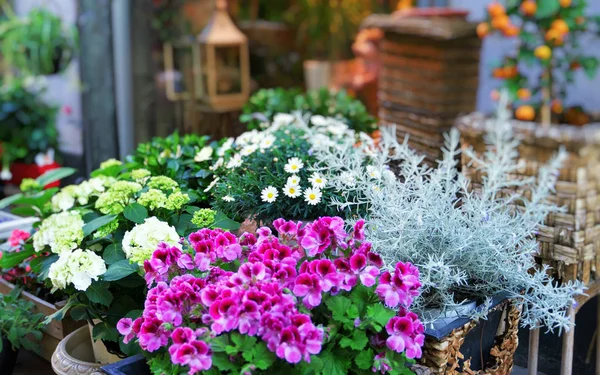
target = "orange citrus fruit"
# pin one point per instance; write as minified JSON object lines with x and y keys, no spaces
{"x":543,"y":52}
{"x":529,"y":7}
{"x":500,"y":22}
{"x":552,"y":35}
{"x":560,"y":25}
{"x":565,"y":3}
{"x":525,"y":113}
{"x":556,"y":106}
{"x":496,"y":9}
{"x":511,"y":30}
{"x":483,"y":29}
{"x":523,"y":94}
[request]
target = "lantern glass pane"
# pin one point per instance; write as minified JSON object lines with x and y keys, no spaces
{"x":229,"y":77}
{"x":182,"y":74}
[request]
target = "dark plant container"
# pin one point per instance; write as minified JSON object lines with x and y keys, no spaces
{"x":135,"y":365}
{"x":8,"y":358}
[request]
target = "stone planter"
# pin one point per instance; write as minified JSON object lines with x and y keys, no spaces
{"x":56,"y":330}
{"x":569,"y":241}
{"x":465,"y":346}
{"x":74,"y":355}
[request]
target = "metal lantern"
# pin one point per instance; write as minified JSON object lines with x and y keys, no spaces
{"x":222,"y":75}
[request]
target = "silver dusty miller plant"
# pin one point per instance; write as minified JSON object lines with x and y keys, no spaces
{"x":467,"y":245}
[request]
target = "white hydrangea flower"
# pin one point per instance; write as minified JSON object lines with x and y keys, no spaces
{"x":312,"y":196}
{"x":204,"y":154}
{"x":140,"y":242}
{"x":294,"y":165}
{"x":78,"y":267}
{"x":269,"y":194}
{"x":62,"y":232}
{"x":63,"y":200}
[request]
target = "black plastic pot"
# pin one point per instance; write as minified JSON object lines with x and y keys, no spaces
{"x":478,"y":343}
{"x":8,"y":358}
{"x":135,"y":365}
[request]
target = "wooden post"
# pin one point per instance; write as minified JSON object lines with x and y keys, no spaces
{"x":566,"y":366}
{"x":534,"y":346}
{"x":98,"y":105}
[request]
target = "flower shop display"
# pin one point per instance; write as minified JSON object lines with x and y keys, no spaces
{"x":308,"y":298}
{"x":185,"y":158}
{"x":467,"y":246}
{"x":19,"y":328}
{"x":548,"y":55}
{"x":38,"y":43}
{"x":270,"y":175}
{"x":426,"y":54}
{"x":266,"y":103}
{"x":27,"y":130}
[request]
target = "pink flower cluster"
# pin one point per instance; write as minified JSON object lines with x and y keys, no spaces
{"x":199,"y":294}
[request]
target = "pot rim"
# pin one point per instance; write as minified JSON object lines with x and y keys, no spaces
{"x":62,"y":345}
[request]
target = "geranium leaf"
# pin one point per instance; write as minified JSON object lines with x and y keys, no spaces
{"x":97,"y":223}
{"x":98,"y":293}
{"x":136,"y":213}
{"x":263,"y":358}
{"x":338,"y":305}
{"x":380,"y":315}
{"x":119,"y":270}
{"x":358,"y":340}
{"x":364,"y":360}
{"x":335,"y":363}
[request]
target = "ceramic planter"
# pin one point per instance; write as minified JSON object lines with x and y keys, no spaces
{"x":464,"y":346}
{"x":8,"y":358}
{"x":74,"y":355}
{"x":55,"y":331}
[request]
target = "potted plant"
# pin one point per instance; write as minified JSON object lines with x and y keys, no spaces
{"x":296,"y":306}
{"x":19,"y":328}
{"x":266,"y":103}
{"x":27,"y":130}
{"x":270,"y":172}
{"x":536,"y":75}
{"x":37,"y":44}
{"x":469,"y":246}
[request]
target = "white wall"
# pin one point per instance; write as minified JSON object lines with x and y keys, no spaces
{"x":584,"y":91}
{"x":63,"y":90}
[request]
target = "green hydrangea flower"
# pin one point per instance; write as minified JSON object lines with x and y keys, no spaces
{"x":112,"y":202}
{"x":110,"y":163}
{"x":29,"y":185}
{"x":176,"y":200}
{"x":126,"y":187}
{"x":61,"y":232}
{"x":106,"y":230}
{"x":204,"y":218}
{"x":163,"y":183}
{"x":140,"y":174}
{"x":153,"y":199}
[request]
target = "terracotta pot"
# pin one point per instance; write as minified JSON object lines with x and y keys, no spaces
{"x":432,"y":12}
{"x":74,"y":355}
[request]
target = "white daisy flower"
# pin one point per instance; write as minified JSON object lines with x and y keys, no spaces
{"x":225,"y":147}
{"x":293,"y":180}
{"x":218,"y":164}
{"x":312,"y":196}
{"x":294,"y":165}
{"x":203,"y":154}
{"x":267,"y":142}
{"x":269,"y":194}
{"x":292,"y":191}
{"x":376,"y":188}
{"x":317,"y":180}
{"x":373,"y":173}
{"x":211,"y":185}
{"x":318,"y":120}
{"x":228,"y":198}
{"x":248,"y":150}
{"x":234,"y":162}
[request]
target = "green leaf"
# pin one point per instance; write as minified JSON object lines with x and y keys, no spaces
{"x":97,"y":223}
{"x":41,"y":265}
{"x":223,"y":222}
{"x":335,"y":362}
{"x":79,"y":313}
{"x":136,"y":213}
{"x":113,"y":253}
{"x":547,"y":8}
{"x":358,"y":341}
{"x":103,"y":331}
{"x":119,"y":270}
{"x":12,"y":259}
{"x":364,"y":360}
{"x":5,"y":202}
{"x":223,"y":363}
{"x":131,"y":348}
{"x":60,"y":314}
{"x":263,"y":358}
{"x":338,"y":305}
{"x":380,"y":314}
{"x":54,"y":175}
{"x":590,"y":66}
{"x":98,"y":292}
{"x":242,"y":342}
{"x":359,"y":296}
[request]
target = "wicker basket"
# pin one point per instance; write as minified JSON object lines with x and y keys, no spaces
{"x":429,"y":75}
{"x":568,"y":241}
{"x":443,"y":356}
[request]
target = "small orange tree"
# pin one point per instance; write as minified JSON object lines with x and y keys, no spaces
{"x":549,"y":45}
